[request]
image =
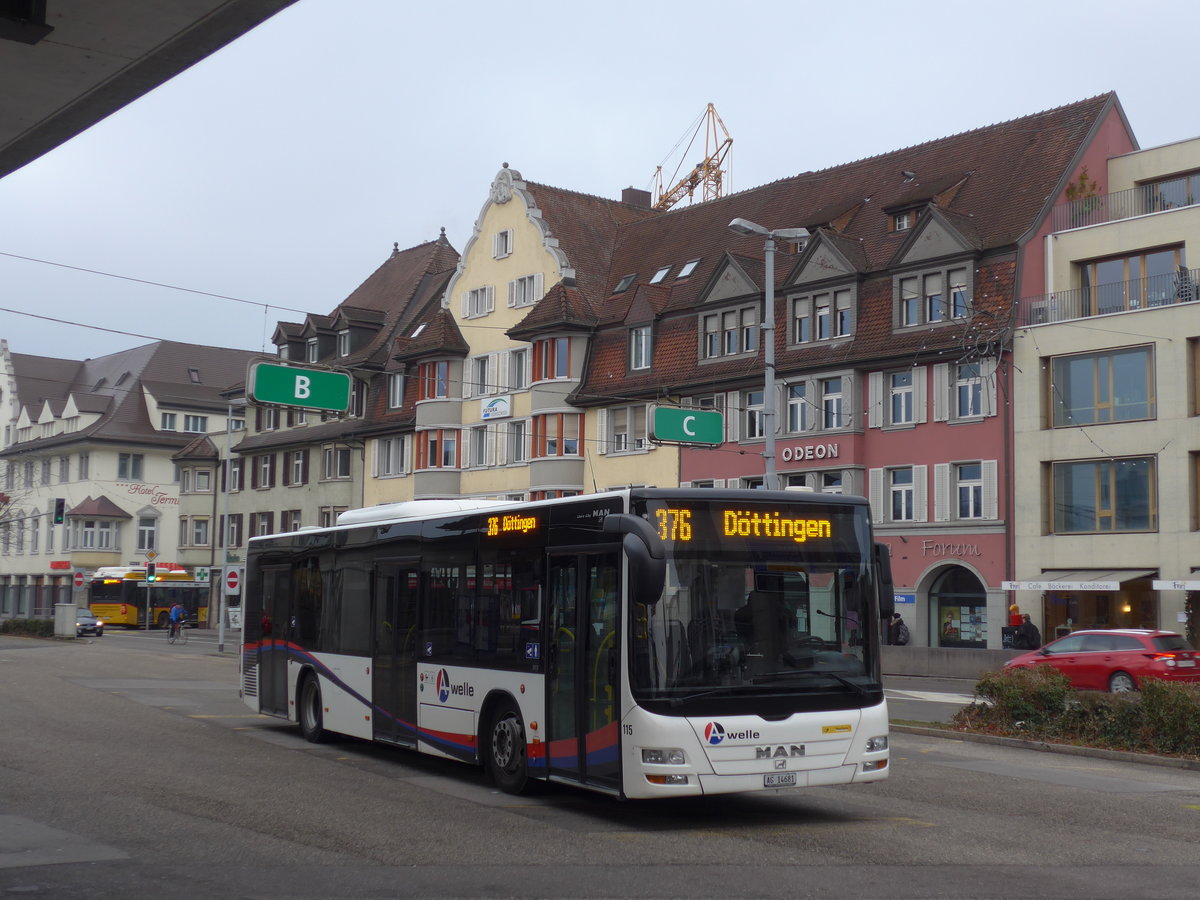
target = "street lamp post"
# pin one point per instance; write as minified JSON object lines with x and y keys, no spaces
{"x":744,"y":226}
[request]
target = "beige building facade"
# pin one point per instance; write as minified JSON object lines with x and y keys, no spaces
{"x":1106,"y":443}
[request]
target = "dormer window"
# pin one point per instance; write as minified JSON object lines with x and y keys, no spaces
{"x":624,"y":283}
{"x":903,"y":221}
{"x":343,"y":342}
{"x":660,"y":274}
{"x":688,"y":268}
{"x":310,"y":351}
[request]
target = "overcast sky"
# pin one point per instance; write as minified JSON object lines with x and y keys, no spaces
{"x":281,"y":169}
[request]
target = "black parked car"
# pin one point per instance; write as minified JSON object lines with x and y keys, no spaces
{"x":86,"y":623}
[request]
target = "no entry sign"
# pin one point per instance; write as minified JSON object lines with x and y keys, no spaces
{"x":78,"y":579}
{"x":233,"y":581}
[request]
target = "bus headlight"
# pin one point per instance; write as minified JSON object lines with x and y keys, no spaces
{"x":877,"y":744}
{"x":663,"y":756}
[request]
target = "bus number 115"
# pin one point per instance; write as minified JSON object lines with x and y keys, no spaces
{"x":674,"y":524}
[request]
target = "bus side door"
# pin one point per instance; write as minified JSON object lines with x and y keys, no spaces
{"x":583,"y":675}
{"x":273,"y":648}
{"x":394,"y":668}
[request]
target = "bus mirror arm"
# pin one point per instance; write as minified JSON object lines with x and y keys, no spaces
{"x":645,"y":552}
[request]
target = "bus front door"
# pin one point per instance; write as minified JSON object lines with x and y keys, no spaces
{"x":272,"y":649}
{"x":394,"y":671}
{"x":582,"y":676}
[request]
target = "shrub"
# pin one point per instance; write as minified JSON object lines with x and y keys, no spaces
{"x":1029,"y":698}
{"x":1172,"y":714}
{"x":1038,"y":703}
{"x":28,"y":627}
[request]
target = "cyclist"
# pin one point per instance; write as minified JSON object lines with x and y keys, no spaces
{"x":177,"y":616}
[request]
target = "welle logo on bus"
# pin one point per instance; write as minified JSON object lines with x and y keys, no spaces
{"x":446,"y":689}
{"x":678,"y":524}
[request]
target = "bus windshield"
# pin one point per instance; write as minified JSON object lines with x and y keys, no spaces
{"x":758,"y":599}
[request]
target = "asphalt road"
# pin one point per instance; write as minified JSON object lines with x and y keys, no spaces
{"x":129,"y":768}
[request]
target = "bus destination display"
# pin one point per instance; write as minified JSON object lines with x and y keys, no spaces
{"x":676,"y":524}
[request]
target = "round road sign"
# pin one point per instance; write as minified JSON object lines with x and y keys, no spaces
{"x":233,"y":581}
{"x":78,"y":579}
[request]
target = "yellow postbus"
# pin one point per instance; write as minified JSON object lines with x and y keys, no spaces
{"x":117,"y":595}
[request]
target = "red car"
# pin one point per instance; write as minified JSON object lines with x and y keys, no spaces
{"x":1115,"y":659}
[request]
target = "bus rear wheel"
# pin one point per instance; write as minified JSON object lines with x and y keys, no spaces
{"x":310,"y":711}
{"x":162,"y":620}
{"x":506,"y":760}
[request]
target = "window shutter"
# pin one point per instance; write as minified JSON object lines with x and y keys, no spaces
{"x":920,"y":493}
{"x":466,"y":304}
{"x":407,"y":450}
{"x":876,"y":494}
{"x":987,"y":372}
{"x":512,"y":293}
{"x":503,"y":362}
{"x":991,"y":499}
{"x":941,"y":492}
{"x":502,"y":438}
{"x":875,"y":415}
{"x":496,"y":239}
{"x":468,"y":382}
{"x":941,"y":392}
{"x":254,"y":472}
{"x":304,"y":468}
{"x":224,"y":476}
{"x":645,"y":434}
{"x":495,"y":376}
{"x":286,"y":478}
{"x":920,"y":395}
{"x":489,"y":302}
{"x":602,"y":431}
{"x":537,"y":287}
{"x":718,"y":482}
{"x":490,"y":443}
{"x":732,"y":412}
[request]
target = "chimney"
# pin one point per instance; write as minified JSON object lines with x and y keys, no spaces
{"x":636,"y":197}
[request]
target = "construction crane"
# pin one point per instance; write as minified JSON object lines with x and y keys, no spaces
{"x":707,"y":176}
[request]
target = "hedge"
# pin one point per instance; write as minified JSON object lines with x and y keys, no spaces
{"x":1039,"y":704}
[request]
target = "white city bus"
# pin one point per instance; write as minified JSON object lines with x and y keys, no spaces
{"x":643,"y":642}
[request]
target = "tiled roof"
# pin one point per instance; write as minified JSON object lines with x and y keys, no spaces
{"x":201,"y":448}
{"x":563,"y":308}
{"x":990,"y":186}
{"x":113,"y":385}
{"x":100,"y":506}
{"x":440,"y":337}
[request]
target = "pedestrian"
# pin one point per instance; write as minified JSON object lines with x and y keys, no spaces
{"x":898,"y":631}
{"x":1027,"y":637}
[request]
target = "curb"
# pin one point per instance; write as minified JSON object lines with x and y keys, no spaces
{"x":1147,"y":759}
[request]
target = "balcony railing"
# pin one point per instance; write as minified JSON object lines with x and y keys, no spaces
{"x":1139,"y":201}
{"x":1182,"y":286}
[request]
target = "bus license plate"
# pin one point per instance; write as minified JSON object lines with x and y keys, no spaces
{"x":780,"y":779}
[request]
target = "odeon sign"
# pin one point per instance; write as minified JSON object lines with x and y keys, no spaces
{"x":809,"y":451}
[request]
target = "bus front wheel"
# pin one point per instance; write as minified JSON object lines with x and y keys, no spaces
{"x":310,"y":715}
{"x":506,"y":760}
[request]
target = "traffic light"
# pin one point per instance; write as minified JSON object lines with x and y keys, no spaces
{"x":151,"y":575}
{"x":60,"y":510}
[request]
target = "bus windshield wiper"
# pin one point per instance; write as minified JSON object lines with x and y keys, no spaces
{"x":711,"y":692}
{"x":806,"y":673}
